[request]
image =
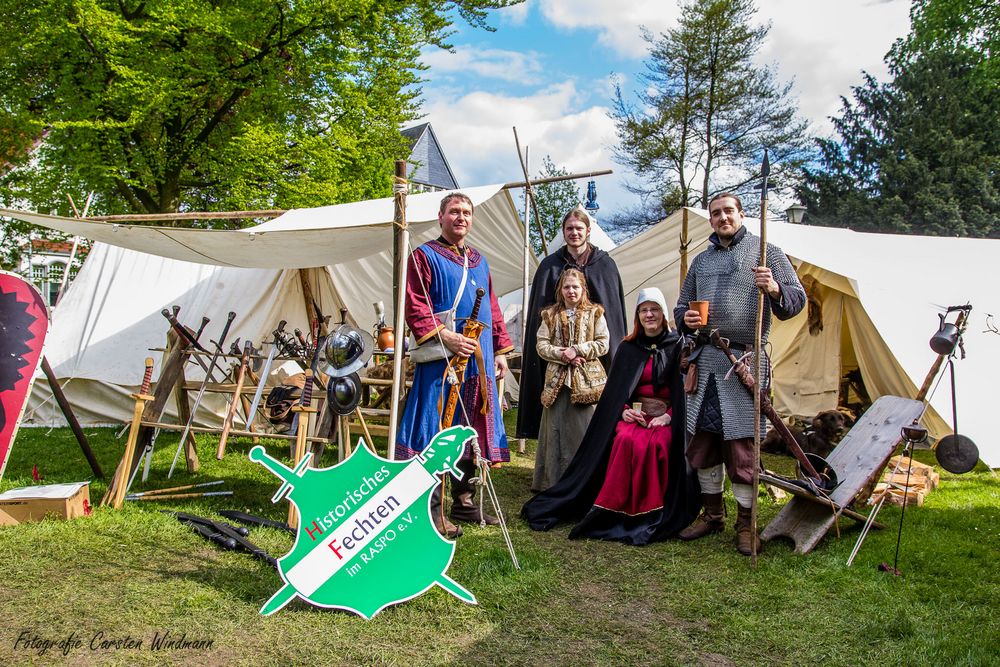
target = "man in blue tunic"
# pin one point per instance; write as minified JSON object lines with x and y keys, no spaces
{"x":720,"y":409}
{"x":442,"y":278}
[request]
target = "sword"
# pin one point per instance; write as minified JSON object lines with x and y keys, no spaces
{"x":264,"y":373}
{"x":227,"y":423}
{"x":304,"y":408}
{"x":253,"y":520}
{"x":183,"y":332}
{"x":122,"y":477}
{"x":201,"y":390}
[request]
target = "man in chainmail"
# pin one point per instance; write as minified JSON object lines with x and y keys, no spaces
{"x":719,"y":408}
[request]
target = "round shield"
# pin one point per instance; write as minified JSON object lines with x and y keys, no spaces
{"x":346,"y":350}
{"x":344,"y":393}
{"x":957,"y":453}
{"x":828,"y":480}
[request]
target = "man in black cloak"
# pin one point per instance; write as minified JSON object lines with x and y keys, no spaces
{"x":604,"y":285}
{"x":572,"y":497}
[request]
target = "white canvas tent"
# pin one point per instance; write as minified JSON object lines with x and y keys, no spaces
{"x":110,"y":315}
{"x":879,"y":295}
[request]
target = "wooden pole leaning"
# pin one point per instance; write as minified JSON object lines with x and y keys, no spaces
{"x":227,"y":424}
{"x":521,"y":442}
{"x":122,"y":475}
{"x":530,"y":194}
{"x":399,"y":189}
{"x":71,"y":419}
{"x":758,"y":365}
{"x":304,"y":409}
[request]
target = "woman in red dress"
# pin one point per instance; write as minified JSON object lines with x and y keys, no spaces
{"x":630,"y":480}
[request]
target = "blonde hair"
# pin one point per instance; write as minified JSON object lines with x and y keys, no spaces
{"x":560,"y":304}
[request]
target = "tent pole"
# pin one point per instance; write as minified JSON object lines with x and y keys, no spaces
{"x":684,"y":244}
{"x":399,"y":188}
{"x":524,"y":292}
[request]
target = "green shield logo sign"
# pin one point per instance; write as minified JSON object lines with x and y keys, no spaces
{"x":366,"y":539}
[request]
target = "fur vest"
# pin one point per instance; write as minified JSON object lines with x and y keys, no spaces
{"x":587,"y":332}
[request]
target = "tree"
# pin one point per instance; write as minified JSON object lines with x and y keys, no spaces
{"x":162,"y":105}
{"x":921,"y":153}
{"x":707,"y":111}
{"x":554,"y":200}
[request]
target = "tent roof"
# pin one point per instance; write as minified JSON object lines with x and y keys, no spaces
{"x":300,"y":238}
{"x":901,"y":281}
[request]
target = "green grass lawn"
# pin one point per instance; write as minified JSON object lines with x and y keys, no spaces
{"x":137,"y":571}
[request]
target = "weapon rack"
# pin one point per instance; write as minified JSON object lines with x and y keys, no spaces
{"x":328,"y":429}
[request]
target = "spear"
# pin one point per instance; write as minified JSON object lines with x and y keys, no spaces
{"x":765,"y":171}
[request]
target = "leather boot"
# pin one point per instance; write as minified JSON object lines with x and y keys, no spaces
{"x":464,"y":507}
{"x":711,"y":520}
{"x":445,"y":527}
{"x":744,"y":532}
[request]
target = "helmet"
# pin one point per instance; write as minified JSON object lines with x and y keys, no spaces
{"x":346,"y":350}
{"x":343,"y":393}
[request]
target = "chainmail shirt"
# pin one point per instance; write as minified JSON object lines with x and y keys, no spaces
{"x":724,"y":277}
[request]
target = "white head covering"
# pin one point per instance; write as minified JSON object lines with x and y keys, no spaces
{"x":652,"y":294}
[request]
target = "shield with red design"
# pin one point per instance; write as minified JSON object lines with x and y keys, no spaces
{"x":24,"y":321}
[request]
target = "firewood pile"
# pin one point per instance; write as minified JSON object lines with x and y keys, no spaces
{"x":893,"y":486}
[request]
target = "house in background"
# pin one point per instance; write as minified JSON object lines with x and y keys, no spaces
{"x":428,"y":169}
{"x":44,"y":263}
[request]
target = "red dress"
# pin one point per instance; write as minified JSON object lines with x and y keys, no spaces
{"x":636,"y":479}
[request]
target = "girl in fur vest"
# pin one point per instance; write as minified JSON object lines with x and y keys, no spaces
{"x":573,"y":334}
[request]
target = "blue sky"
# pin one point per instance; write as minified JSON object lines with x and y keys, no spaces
{"x":549,"y":68}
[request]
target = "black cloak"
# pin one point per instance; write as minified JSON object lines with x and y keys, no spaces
{"x":572,"y":497}
{"x":605,"y":287}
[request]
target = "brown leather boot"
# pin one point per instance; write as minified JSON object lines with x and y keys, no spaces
{"x":464,"y":507}
{"x":711,"y":520}
{"x":744,"y":532}
{"x":445,"y":527}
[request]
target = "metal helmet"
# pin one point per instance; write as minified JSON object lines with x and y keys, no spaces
{"x":346,"y":350}
{"x":343,"y":393}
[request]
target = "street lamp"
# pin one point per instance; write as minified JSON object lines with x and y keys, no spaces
{"x":795,"y":213}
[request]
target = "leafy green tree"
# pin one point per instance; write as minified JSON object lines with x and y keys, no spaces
{"x":161,"y":105}
{"x":920,"y":154}
{"x":707,"y":111}
{"x":554,"y":200}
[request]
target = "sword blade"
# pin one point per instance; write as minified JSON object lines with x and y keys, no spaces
{"x":260,"y":385}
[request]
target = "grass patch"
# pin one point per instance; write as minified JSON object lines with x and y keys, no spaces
{"x":137,"y":571}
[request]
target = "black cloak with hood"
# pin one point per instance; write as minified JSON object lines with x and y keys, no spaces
{"x":604,"y":285}
{"x":572,"y":497}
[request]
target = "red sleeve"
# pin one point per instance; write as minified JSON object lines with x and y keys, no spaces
{"x":501,"y":339}
{"x":419,"y":311}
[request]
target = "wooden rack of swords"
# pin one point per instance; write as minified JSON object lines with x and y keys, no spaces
{"x":237,"y":374}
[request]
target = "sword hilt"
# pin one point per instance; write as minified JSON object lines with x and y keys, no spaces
{"x":280,"y":328}
{"x":181,"y":329}
{"x":147,"y":376}
{"x":225,"y":330}
{"x":480,"y":293}
{"x":307,"y":390}
{"x":204,"y":323}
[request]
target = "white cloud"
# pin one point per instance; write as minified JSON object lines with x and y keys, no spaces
{"x":617,"y":23}
{"x":476,"y":135}
{"x":523,"y":67}
{"x":823,"y":45}
{"x":516,"y":14}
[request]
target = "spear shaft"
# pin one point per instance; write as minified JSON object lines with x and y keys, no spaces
{"x":765,"y":171}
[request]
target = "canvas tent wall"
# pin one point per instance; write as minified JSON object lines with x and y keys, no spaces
{"x":878,"y":296}
{"x":111,"y":313}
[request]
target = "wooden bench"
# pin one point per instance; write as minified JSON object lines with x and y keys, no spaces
{"x":857,"y":460}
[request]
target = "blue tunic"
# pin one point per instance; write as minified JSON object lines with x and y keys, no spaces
{"x":436,"y":268}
